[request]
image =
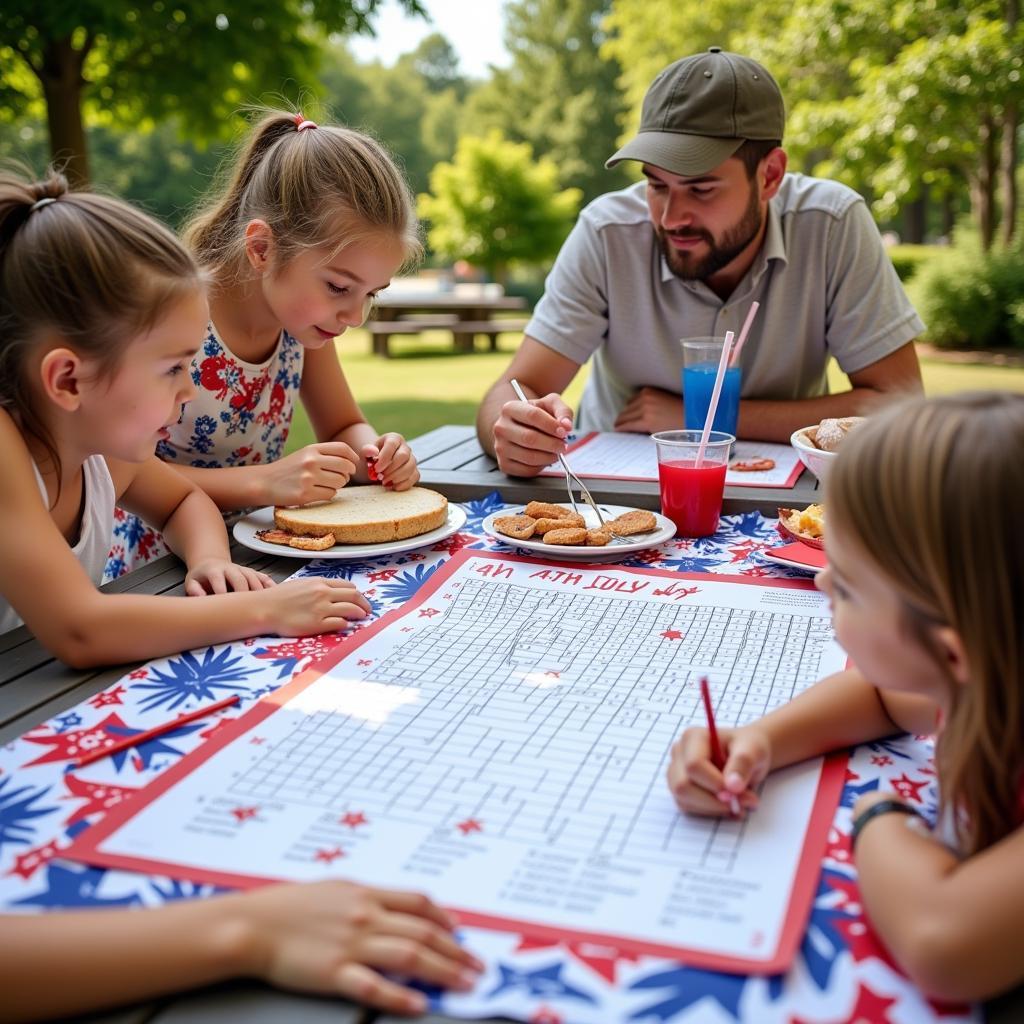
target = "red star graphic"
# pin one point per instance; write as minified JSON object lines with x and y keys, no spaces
{"x":353,"y":819}
{"x":107,"y":697}
{"x":428,"y":613}
{"x":370,"y":591}
{"x":99,"y":797}
{"x":741,"y":552}
{"x":244,"y":813}
{"x":881,"y":759}
{"x":314,"y":647}
{"x":382,"y":575}
{"x":649,"y":555}
{"x":469,"y":825}
{"x":602,"y":960}
{"x":756,"y":571}
{"x":329,"y":856}
{"x":545,"y":1015}
{"x":416,"y":558}
{"x":220,"y":724}
{"x":672,"y":634}
{"x":908,"y":788}
{"x":454,"y":543}
{"x":139,"y":673}
{"x":69,"y":746}
{"x":851,"y":775}
{"x":26,"y":864}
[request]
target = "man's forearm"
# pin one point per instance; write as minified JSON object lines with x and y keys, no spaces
{"x":764,"y":420}
{"x":490,"y":409}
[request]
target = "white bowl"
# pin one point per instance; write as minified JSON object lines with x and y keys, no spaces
{"x":817,"y":461}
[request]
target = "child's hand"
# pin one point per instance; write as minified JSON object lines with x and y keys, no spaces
{"x":700,"y":788}
{"x":337,"y":938}
{"x":395,"y":463}
{"x":305,"y":607}
{"x":312,"y":473}
{"x":218,"y":576}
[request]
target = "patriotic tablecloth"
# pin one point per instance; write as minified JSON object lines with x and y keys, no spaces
{"x":842,"y":973}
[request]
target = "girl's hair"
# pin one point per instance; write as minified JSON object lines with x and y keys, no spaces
{"x":89,"y":269}
{"x":323,"y":186}
{"x":930,"y":492}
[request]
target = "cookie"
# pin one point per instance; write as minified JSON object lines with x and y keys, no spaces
{"x":637,"y":521}
{"x":546,"y":510}
{"x":572,"y":535}
{"x":571,"y":520}
{"x":598,"y":538}
{"x":518,"y":527}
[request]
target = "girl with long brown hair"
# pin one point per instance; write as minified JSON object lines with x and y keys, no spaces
{"x":311,"y":223}
{"x":926,"y":578}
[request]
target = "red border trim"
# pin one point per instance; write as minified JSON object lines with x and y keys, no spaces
{"x":830,"y":785}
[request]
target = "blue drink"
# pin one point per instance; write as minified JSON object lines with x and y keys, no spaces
{"x":698,"y":383}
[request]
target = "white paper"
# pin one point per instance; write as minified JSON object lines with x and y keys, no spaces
{"x":635,"y":457}
{"x":503,"y":744}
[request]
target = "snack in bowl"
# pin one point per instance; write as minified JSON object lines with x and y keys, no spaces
{"x":818,"y":444}
{"x":806,"y":525}
{"x":367,"y":515}
{"x":830,"y":433}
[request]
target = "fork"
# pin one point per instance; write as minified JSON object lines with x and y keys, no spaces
{"x":570,"y":476}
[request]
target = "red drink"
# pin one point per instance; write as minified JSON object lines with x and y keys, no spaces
{"x":691,"y":496}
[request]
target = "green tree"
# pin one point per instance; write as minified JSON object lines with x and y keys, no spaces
{"x":137,"y":63}
{"x":559,"y":94}
{"x":497,"y":207}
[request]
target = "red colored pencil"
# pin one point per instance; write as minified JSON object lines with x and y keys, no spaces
{"x":717,"y":754}
{"x":133,"y":741}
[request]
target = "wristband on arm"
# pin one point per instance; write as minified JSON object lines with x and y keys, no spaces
{"x":875,"y":811}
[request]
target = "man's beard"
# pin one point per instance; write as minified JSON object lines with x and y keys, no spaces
{"x":720,"y":254}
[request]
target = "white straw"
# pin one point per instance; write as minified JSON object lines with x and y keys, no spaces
{"x":723,"y":362}
{"x":735,"y":358}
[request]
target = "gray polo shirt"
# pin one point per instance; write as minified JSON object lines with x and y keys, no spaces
{"x":824,"y":282}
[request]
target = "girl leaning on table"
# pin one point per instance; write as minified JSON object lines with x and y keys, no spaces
{"x":313,"y":222}
{"x":926,"y":580}
{"x":101,"y":311}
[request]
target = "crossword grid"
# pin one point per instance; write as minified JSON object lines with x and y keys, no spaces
{"x":546,"y":716}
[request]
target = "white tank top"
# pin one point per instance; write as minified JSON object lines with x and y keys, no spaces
{"x":94,"y":536}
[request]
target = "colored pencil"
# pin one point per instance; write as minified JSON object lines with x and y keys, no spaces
{"x":717,"y":754}
{"x":142,"y":737}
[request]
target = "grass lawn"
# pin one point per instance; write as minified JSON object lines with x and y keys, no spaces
{"x":425,"y":385}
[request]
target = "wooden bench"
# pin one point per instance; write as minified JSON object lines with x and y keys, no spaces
{"x":463,"y":331}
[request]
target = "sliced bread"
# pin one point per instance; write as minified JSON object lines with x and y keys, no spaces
{"x":368,"y":515}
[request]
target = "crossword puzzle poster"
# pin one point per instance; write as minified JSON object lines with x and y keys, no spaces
{"x":501,"y":742}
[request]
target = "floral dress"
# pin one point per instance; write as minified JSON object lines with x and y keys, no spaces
{"x":240,"y":417}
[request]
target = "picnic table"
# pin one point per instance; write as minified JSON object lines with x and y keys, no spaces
{"x":465,"y":315}
{"x":841,"y":973}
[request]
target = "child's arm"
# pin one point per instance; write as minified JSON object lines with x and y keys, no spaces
{"x":841,"y":710}
{"x":330,"y":938}
{"x":952,"y":925}
{"x":189,"y":522}
{"x":49,"y":589}
{"x":336,"y":416}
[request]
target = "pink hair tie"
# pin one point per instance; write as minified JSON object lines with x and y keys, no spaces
{"x":301,"y":123}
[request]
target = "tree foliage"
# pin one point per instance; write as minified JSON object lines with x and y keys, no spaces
{"x":559,"y":94}
{"x":496,"y":206}
{"x":134,"y":64}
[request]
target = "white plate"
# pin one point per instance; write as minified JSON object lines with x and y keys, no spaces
{"x":245,"y":533}
{"x":664,"y":530}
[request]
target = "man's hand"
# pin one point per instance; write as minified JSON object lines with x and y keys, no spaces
{"x":529,"y":435}
{"x":650,"y":410}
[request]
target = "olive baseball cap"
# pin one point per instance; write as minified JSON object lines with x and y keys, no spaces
{"x":701,"y":109}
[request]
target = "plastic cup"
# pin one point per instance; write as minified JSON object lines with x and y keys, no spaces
{"x":700,"y":365}
{"x":691,"y":495}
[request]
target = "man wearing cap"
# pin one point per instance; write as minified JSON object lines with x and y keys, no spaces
{"x":716,"y":224}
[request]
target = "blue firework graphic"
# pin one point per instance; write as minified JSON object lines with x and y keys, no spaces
{"x":402,"y":587}
{"x":685,"y":986}
{"x":169,"y":889}
{"x":192,"y":679}
{"x":687,"y":563}
{"x":17,"y":809}
{"x":477,"y":511}
{"x":74,"y":887}
{"x":337,"y":570}
{"x":746,"y":526}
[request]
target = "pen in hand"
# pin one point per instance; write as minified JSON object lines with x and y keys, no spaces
{"x":717,"y":754}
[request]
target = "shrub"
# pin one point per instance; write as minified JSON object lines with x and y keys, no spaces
{"x":972,"y":300}
{"x":908,"y":259}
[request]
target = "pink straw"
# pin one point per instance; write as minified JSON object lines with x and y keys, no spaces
{"x":715,"y":395}
{"x":735,"y":358}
